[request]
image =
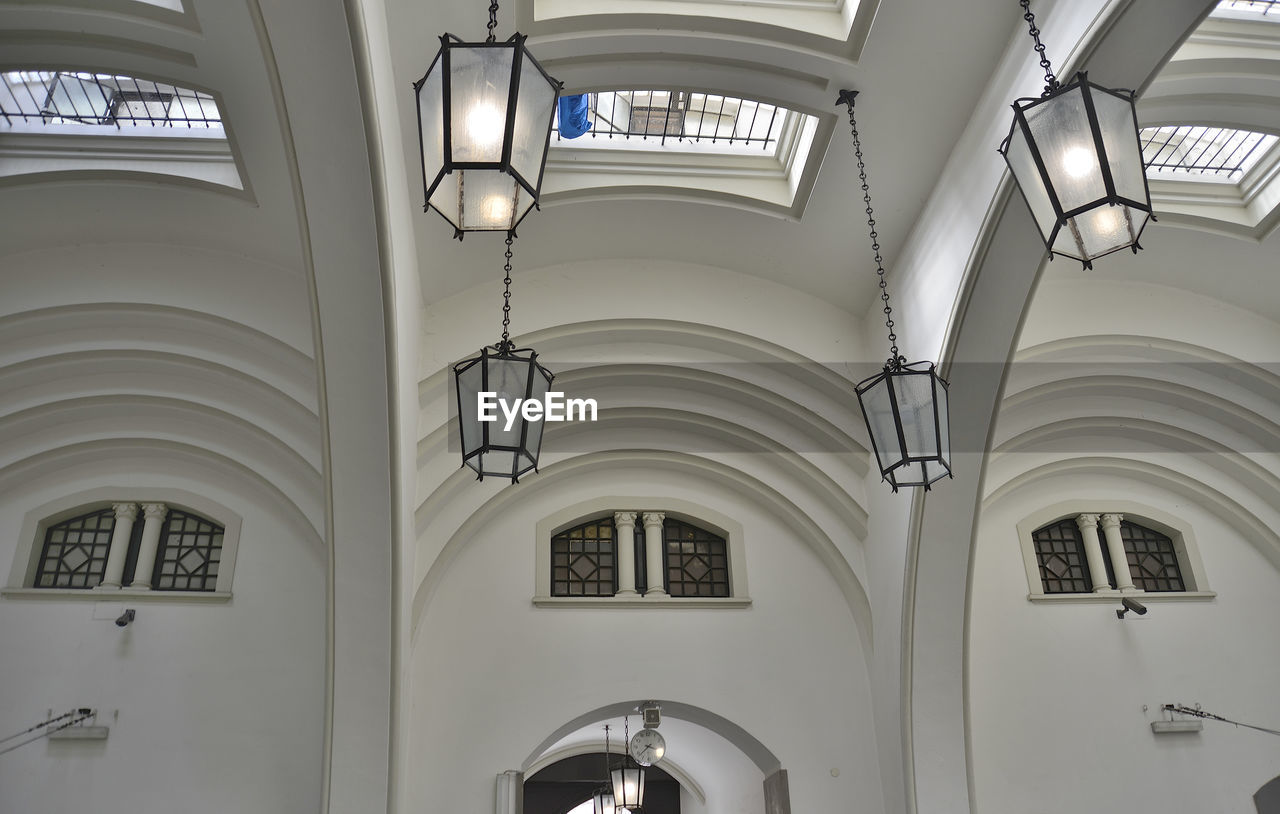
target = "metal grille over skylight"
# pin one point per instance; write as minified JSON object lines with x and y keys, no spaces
{"x":1211,"y":153}
{"x":681,"y":120}
{"x":1265,"y":8}
{"x":102,"y":100}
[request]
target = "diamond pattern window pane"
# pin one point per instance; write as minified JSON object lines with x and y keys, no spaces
{"x":190,"y":550}
{"x":582,"y":560}
{"x":1153,"y":560}
{"x":1060,"y":555}
{"x":75,"y":551}
{"x":697,"y":561}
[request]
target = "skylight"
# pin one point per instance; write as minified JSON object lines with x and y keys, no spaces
{"x":78,"y":99}
{"x":682,"y":121}
{"x":1265,"y":8}
{"x":1208,"y":153}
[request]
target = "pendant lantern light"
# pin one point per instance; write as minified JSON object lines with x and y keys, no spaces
{"x":484,"y":124}
{"x":627,"y":777}
{"x":905,"y":404}
{"x":501,"y":373}
{"x":1077,"y":159}
{"x":602,"y":802}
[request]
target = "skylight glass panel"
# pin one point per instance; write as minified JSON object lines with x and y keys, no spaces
{"x":680,"y":121}
{"x":1264,"y":8}
{"x":1207,"y":153}
{"x":104,"y":101}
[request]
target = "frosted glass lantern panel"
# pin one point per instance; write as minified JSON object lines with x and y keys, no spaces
{"x":1060,"y":129}
{"x":431,"y":123}
{"x":469,"y":387}
{"x":534,"y":108}
{"x":915,"y":407}
{"x":877,"y":407}
{"x":1027,"y":175}
{"x":480,"y":85}
{"x":1120,"y":138}
{"x":1099,"y":231}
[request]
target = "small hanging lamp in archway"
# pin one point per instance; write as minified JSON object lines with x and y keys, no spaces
{"x":493,"y":444}
{"x":627,"y":777}
{"x":602,"y":802}
{"x":905,"y":404}
{"x":1077,"y":159}
{"x":484,"y":124}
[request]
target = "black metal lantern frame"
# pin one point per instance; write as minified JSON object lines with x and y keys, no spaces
{"x":627,"y":777}
{"x":485,"y":111}
{"x":905,"y":405}
{"x":509,"y":373}
{"x":1076,"y":156}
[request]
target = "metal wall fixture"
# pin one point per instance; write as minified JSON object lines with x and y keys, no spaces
{"x":905,"y":404}
{"x":484,"y":121}
{"x":501,"y":448}
{"x":1077,"y":160}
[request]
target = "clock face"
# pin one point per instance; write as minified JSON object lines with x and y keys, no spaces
{"x":647,"y":747}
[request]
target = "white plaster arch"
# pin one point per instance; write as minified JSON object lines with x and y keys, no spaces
{"x":671,"y":767}
{"x":759,"y":754}
{"x":584,"y":467}
{"x":1220,"y":502}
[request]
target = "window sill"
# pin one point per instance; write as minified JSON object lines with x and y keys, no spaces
{"x":641,"y":602}
{"x":1113,"y":597}
{"x":94,"y":595}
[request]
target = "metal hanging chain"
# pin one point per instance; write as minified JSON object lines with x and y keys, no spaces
{"x":493,"y":20}
{"x":846,"y":97}
{"x":506,"y":343}
{"x":1050,"y":81}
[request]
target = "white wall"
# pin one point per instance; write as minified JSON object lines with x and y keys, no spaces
{"x":492,"y":676}
{"x":1057,"y":691}
{"x":212,"y":707}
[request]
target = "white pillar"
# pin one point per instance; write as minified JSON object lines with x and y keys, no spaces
{"x":655,"y":562}
{"x":1115,"y":547}
{"x":625,"y":523}
{"x":120,"y":534}
{"x":1088,"y":524}
{"x":154,"y":514}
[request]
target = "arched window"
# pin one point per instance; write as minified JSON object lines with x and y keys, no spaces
{"x":697,"y":560}
{"x":638,"y":555}
{"x":127,"y":546}
{"x":1087,"y":553}
{"x":583,"y":560}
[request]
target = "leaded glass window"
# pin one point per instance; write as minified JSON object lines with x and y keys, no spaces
{"x":697,"y":561}
{"x":189,"y":554}
{"x":75,"y":551}
{"x":1152,"y":557}
{"x":583,"y":560}
{"x":1060,"y":554}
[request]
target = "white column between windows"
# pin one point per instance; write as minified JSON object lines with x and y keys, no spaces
{"x":1088,"y":524}
{"x":1115,"y":547}
{"x":653,"y":551}
{"x":154,"y":514}
{"x":625,"y":523}
{"x":120,"y":534}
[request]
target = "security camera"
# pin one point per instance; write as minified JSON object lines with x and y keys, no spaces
{"x":125,"y":618}
{"x":1129,"y":605}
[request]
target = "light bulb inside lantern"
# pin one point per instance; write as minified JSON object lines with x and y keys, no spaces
{"x":1109,"y":219}
{"x":1079,"y":162}
{"x":496,"y":210}
{"x":484,"y":125}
